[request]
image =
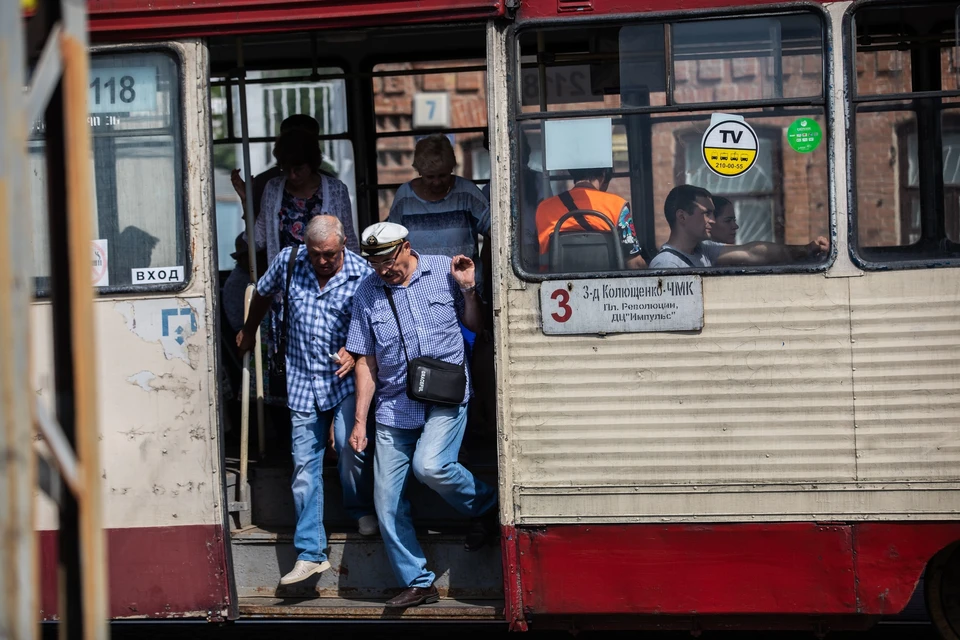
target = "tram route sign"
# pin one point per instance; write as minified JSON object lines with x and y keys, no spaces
{"x":622,"y":305}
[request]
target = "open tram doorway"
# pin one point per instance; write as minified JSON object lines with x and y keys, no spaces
{"x":374,"y":93}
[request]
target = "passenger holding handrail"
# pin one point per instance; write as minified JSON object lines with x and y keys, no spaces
{"x":689,"y":211}
{"x":589,"y":193}
{"x":319,"y":284}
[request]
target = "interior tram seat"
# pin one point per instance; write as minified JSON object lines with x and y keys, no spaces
{"x":586,"y":249}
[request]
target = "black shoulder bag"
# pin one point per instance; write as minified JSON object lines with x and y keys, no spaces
{"x":429,"y":379}
{"x":278,"y":373}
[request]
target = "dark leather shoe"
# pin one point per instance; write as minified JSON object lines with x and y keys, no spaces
{"x":483,"y":530}
{"x":413,"y":596}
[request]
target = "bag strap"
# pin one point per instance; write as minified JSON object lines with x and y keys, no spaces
{"x":291,"y":263}
{"x":680,"y":255}
{"x":571,"y":206}
{"x":393,"y":307}
{"x":294,"y":250}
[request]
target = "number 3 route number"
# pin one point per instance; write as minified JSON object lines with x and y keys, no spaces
{"x":562,"y":298}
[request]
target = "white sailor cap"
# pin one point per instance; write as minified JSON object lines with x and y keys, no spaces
{"x":381,"y":238}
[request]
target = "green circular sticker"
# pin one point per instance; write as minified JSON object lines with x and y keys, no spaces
{"x":804,"y":135}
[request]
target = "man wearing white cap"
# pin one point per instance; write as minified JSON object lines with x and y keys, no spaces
{"x":411,"y":310}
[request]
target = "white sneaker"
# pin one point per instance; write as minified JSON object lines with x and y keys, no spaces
{"x":368,"y":526}
{"x":303,"y":570}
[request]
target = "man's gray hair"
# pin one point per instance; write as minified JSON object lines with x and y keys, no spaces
{"x":322,"y":227}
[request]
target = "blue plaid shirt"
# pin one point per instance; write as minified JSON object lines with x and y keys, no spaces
{"x":429,"y":307}
{"x":317,"y":325}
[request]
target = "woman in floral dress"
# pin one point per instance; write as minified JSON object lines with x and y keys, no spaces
{"x":289,"y":202}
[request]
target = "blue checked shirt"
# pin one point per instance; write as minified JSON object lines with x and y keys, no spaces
{"x":429,"y":308}
{"x":317,"y":325}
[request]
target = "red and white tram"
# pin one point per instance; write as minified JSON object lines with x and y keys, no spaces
{"x":756,"y":446}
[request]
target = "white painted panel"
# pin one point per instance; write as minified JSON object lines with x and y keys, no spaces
{"x":761,"y":396}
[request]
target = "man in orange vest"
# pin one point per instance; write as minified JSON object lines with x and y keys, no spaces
{"x":589,"y":192}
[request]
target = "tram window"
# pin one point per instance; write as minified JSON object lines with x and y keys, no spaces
{"x":134,"y":101}
{"x":414,"y":99}
{"x":663,"y":86}
{"x":273,"y":96}
{"x":907,"y":123}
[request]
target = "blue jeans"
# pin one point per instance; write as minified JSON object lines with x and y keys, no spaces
{"x":309,"y":439}
{"x":431,"y":452}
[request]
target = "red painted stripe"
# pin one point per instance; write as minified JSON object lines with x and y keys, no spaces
{"x":532,"y":9}
{"x":513,"y":596}
{"x":751,"y":569}
{"x":155,"y":572}
{"x":889,"y":558}
{"x":135,"y":19}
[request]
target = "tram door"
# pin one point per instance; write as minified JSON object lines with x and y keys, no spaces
{"x":373,"y":95}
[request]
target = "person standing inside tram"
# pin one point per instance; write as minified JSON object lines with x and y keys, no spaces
{"x":320,"y":387}
{"x":444,"y":213}
{"x":723,"y":226}
{"x":296,"y":121}
{"x":409,"y":310}
{"x":689,"y":211}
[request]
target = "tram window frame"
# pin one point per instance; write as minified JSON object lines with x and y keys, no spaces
{"x":327,"y":68}
{"x":178,"y":131}
{"x":934,"y":247}
{"x":818,"y":106}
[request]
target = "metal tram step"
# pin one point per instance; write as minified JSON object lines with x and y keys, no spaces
{"x":360,"y":609}
{"x":359,"y":568}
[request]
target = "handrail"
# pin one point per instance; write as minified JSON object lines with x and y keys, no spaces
{"x":249,"y":223}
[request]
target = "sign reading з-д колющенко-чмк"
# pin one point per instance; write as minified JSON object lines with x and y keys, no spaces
{"x":622,"y":305}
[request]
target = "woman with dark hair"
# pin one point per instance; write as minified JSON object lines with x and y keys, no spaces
{"x":291,"y":200}
{"x":723,"y":227}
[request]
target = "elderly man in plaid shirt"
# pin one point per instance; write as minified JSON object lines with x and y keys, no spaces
{"x":431,"y":293}
{"x":320,"y":387}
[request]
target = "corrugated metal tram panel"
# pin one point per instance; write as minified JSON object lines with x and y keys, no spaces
{"x":761,"y":395}
{"x":751,"y":419}
{"x":906,"y":354}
